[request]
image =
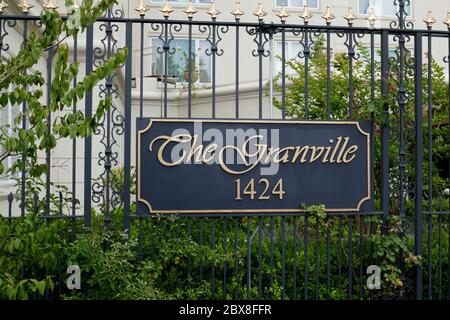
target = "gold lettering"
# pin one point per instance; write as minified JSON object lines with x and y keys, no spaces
{"x":209,"y":149}
{"x":339,"y":151}
{"x":339,"y":158}
{"x":349,"y":151}
{"x":332,"y":160}
{"x":285,"y":157}
{"x":298,"y":152}
{"x":314,"y":157}
{"x":181,"y":138}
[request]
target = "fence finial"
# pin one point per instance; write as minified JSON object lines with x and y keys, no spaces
{"x":237,"y":12}
{"x":190,"y":10}
{"x":371,"y":17}
{"x":25,"y":6}
{"x":447,"y":20}
{"x":282,"y":14}
{"x":429,"y":19}
{"x":213,"y":12}
{"x":350,"y":17}
{"x":141,"y":8}
{"x":3,"y":6}
{"x":328,"y":16}
{"x":306,"y":15}
{"x":260,"y":13}
{"x":166,"y":9}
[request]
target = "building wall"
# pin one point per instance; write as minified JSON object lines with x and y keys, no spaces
{"x":61,"y":171}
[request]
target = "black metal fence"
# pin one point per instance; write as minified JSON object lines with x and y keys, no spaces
{"x":276,"y":255}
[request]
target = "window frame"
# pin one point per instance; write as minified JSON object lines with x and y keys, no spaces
{"x":197,"y":45}
{"x":386,"y":16}
{"x":290,"y":7}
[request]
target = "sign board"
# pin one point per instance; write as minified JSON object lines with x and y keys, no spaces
{"x":197,"y":166}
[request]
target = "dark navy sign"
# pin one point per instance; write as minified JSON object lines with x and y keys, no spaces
{"x":252,"y":166}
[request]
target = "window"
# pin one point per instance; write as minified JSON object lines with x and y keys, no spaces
{"x":298,"y":3}
{"x":178,"y":62}
{"x":183,"y":1}
{"x":292,"y":48}
{"x":382,"y":7}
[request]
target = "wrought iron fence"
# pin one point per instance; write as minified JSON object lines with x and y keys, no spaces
{"x":297,"y":257}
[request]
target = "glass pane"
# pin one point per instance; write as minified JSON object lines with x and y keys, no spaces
{"x":178,"y":62}
{"x":296,"y":3}
{"x":281,"y":3}
{"x":204,"y":62}
{"x":363,"y":6}
{"x":156,"y":58}
{"x":313,"y":4}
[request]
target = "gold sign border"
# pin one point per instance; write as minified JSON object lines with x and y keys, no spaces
{"x":299,"y":210}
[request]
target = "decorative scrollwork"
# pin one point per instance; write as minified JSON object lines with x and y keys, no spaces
{"x":111,"y":126}
{"x":166,"y":36}
{"x":306,"y":42}
{"x":261,"y":39}
{"x":401,"y":15}
{"x":213,"y":38}
{"x":4,"y":33}
{"x":352,"y":38}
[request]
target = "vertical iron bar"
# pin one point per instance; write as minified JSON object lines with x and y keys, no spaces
{"x":236,"y":258}
{"x":328,"y":257}
{"x":249,"y":247}
{"x":260,"y":84}
{"x":24,"y":123}
{"x":440,"y":249}
{"x":213,"y":267}
{"x":49,"y":128}
{"x":350,"y":258}
{"x":351,"y":56}
{"x":88,"y":140}
{"x":306,"y":256}
{"x":271,"y":251}
{"x":430,"y":163}
{"x":328,"y":71}
{"x":213,"y":73}
{"x":448,"y":110}
{"x":127,"y":123}
{"x":283,"y":257}
{"x":306,"y":75}
{"x":225,"y":261}
{"x":419,"y":161}
{"x":74,"y":149}
{"x":361,"y":256}
{"x":294,"y":275}
{"x":340,"y":254}
{"x":141,"y":73}
{"x":317,"y":258}
{"x":190,"y":67}
{"x":237,"y":70}
{"x":260,"y":235}
{"x":166,"y":62}
{"x":189,"y":234}
{"x":283,"y":70}
{"x":201,"y":250}
{"x":385,"y":126}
